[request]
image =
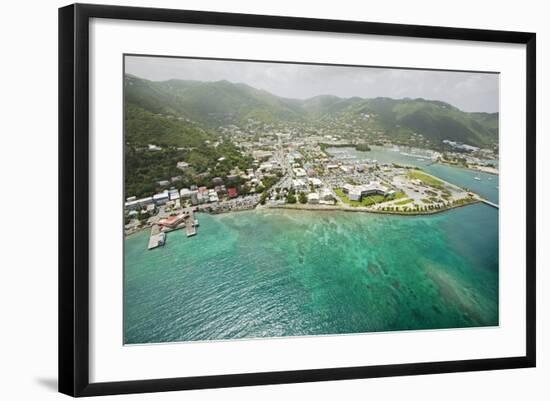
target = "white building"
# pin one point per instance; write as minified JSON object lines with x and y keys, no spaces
{"x":345,"y":169}
{"x":326,"y":195}
{"x":356,"y":192}
{"x":313,"y":198}
{"x":133,"y":204}
{"x":182,"y":165}
{"x":161,"y":198}
{"x":174,"y":194}
{"x":299,"y":185}
{"x":194,"y":196}
{"x":375,"y":187}
{"x":262,"y":154}
{"x":185,"y":193}
{"x":202,"y":198}
{"x":316,"y":182}
{"x":347,"y":188}
{"x":266,"y":167}
{"x":299,"y":172}
{"x":146,"y":201}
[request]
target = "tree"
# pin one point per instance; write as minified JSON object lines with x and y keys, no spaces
{"x":303,"y":198}
{"x":263,"y":198}
{"x":291,"y":198}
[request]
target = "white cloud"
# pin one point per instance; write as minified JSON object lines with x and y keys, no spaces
{"x":465,"y":90}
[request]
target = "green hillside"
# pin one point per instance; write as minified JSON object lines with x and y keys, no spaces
{"x":212,"y":104}
{"x":145,"y":127}
{"x":174,"y":140}
{"x":437,"y":120}
{"x":182,"y":117}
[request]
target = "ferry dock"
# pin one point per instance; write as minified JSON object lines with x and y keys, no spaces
{"x":191,"y":225}
{"x":165,"y":225}
{"x":157,"y":238}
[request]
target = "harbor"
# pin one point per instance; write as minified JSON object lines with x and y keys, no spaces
{"x":185,"y":220}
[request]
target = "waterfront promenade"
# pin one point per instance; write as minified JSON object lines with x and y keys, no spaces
{"x":347,"y":208}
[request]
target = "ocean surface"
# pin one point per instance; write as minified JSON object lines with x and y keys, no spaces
{"x":280,"y":272}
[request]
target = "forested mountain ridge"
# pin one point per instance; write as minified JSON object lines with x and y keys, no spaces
{"x":211,"y":104}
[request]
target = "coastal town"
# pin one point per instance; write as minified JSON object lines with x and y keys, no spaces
{"x":266,"y":200}
{"x":303,"y":168}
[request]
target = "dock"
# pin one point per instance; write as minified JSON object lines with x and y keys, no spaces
{"x":489,"y":203}
{"x":159,"y":231}
{"x":157,"y":237}
{"x":191,"y":225}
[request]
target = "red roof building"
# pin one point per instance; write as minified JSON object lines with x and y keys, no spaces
{"x":172,"y":221}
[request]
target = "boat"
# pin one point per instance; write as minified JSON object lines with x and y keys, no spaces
{"x":477,"y":178}
{"x":162,"y":239}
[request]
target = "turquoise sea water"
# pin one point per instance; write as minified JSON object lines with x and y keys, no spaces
{"x":290,"y":273}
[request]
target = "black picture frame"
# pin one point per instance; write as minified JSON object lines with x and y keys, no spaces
{"x":74,"y":198}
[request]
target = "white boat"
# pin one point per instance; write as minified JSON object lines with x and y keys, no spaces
{"x":477,"y":178}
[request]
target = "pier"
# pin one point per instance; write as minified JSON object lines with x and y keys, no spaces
{"x":159,"y":231}
{"x":489,"y":203}
{"x":191,"y":224}
{"x":157,"y":237}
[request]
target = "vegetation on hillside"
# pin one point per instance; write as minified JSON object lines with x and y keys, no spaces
{"x":207,"y":155}
{"x":172,"y":121}
{"x":215,"y":103}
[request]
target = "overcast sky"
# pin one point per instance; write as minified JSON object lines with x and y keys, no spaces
{"x":467,"y":91}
